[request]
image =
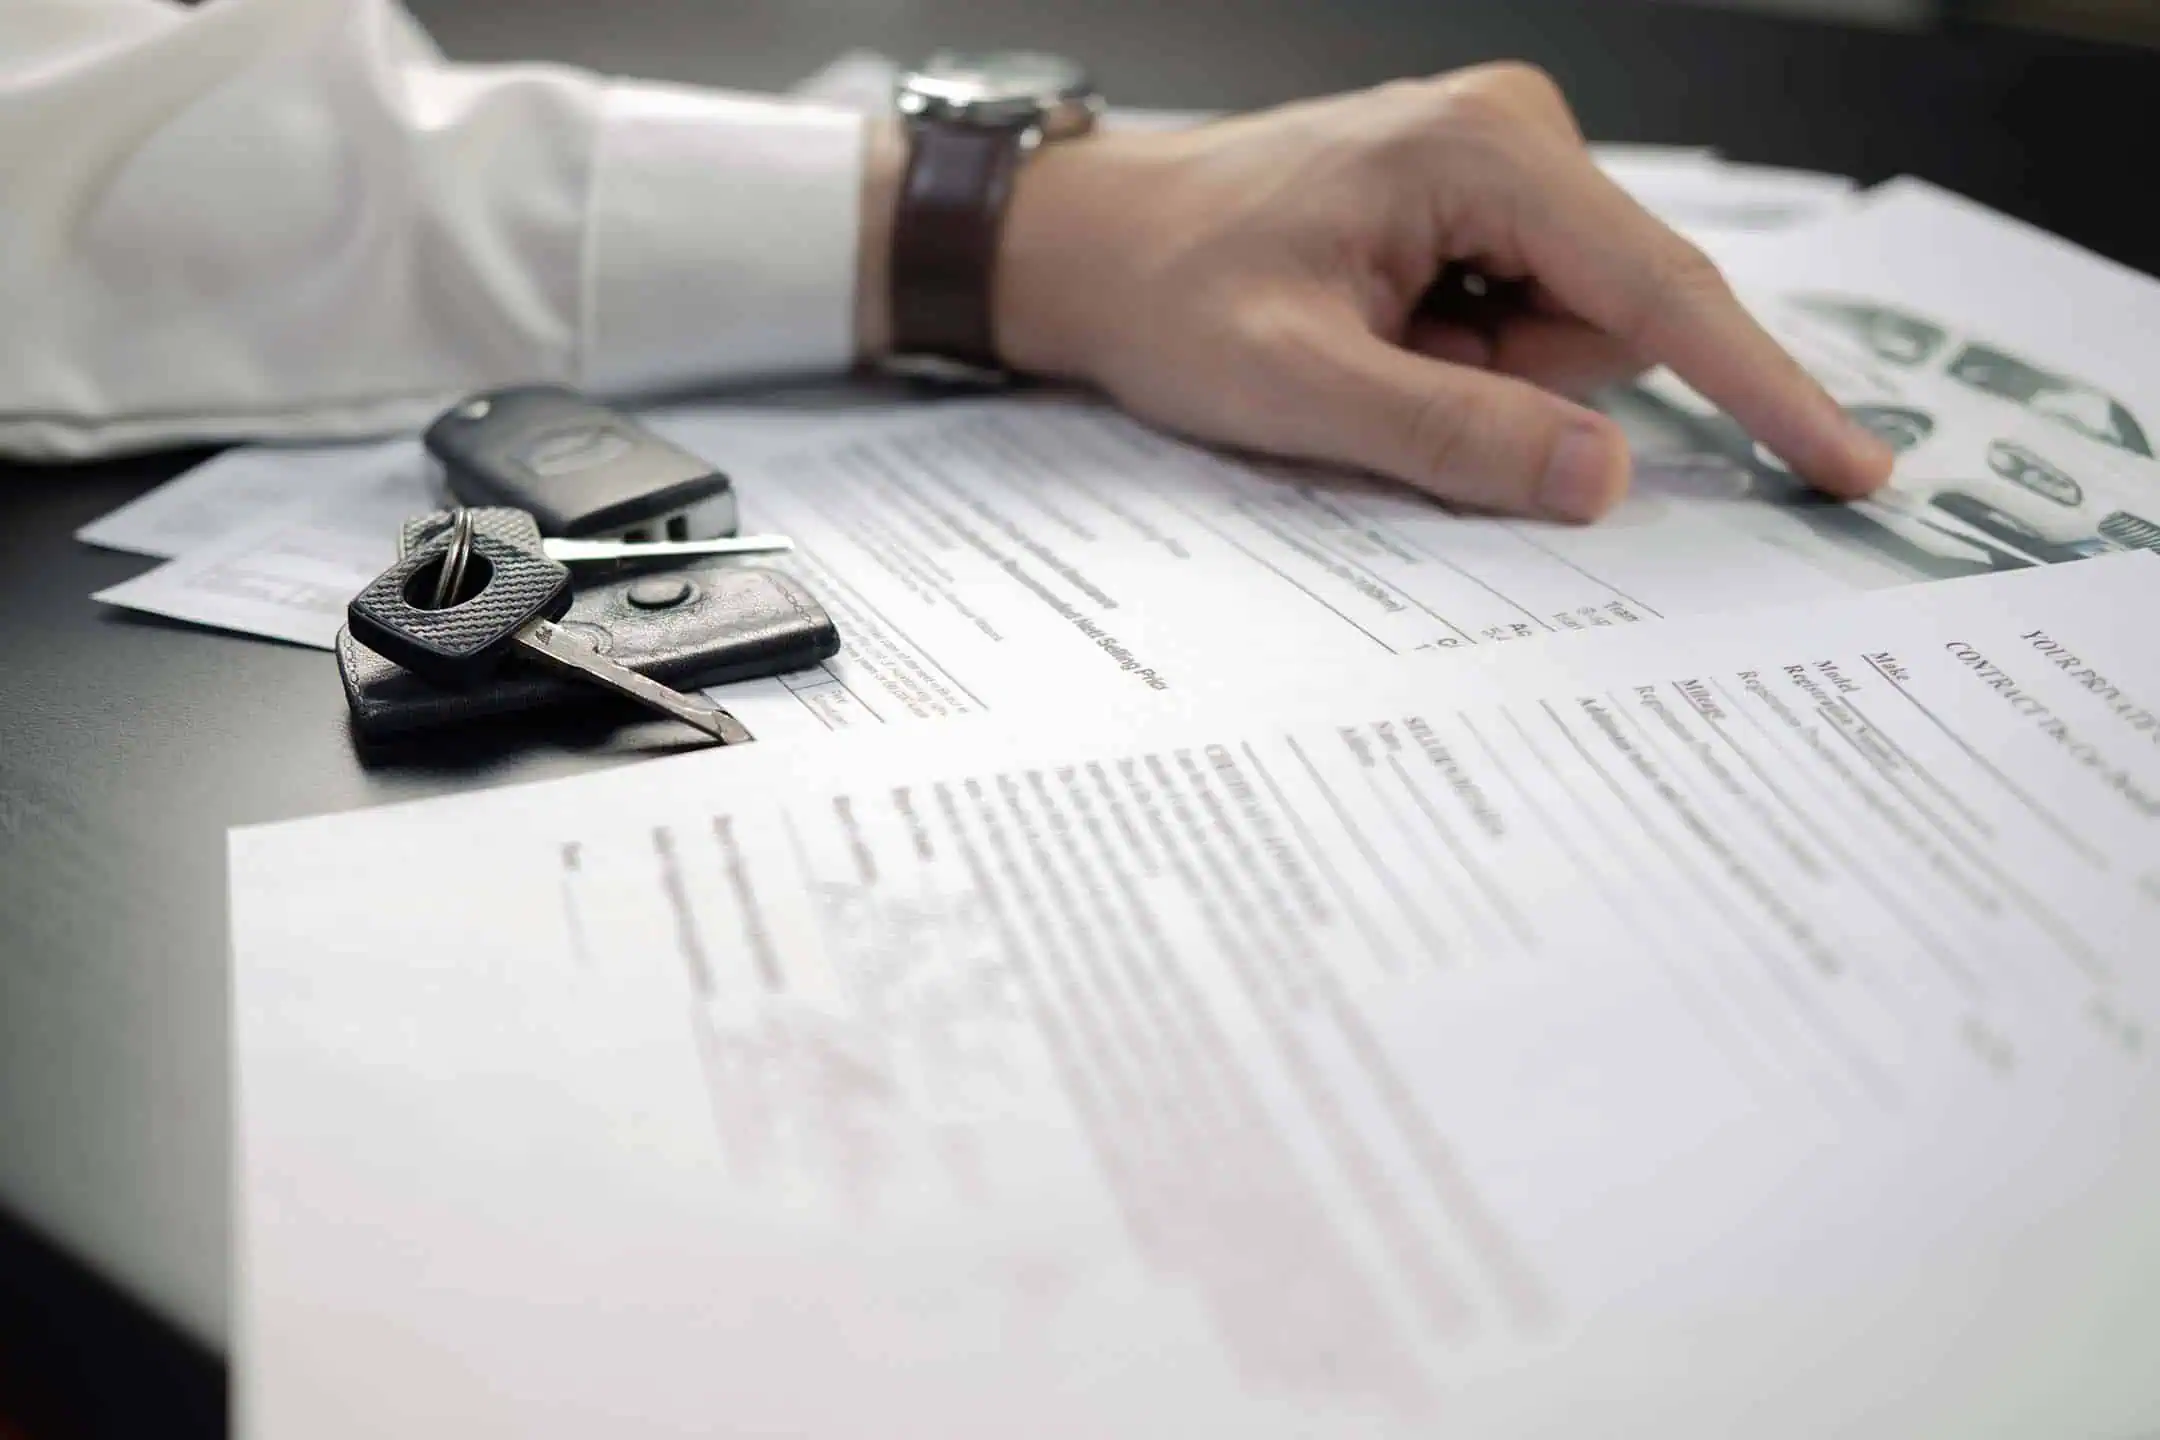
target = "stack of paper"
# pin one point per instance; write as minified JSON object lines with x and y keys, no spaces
{"x":1238,"y":989}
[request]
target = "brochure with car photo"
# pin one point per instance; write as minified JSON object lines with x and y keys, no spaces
{"x":2012,"y":371}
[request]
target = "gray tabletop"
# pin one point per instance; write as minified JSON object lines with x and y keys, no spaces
{"x":128,"y":746}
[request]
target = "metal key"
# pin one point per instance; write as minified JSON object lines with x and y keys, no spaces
{"x":548,"y":644}
{"x":597,"y":554}
{"x":504,"y":606}
{"x":634,"y":552}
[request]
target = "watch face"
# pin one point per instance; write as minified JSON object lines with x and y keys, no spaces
{"x":994,"y":86}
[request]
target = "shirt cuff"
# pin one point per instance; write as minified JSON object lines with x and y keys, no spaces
{"x":721,"y":239}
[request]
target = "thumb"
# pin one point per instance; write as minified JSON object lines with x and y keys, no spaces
{"x":1466,"y":435}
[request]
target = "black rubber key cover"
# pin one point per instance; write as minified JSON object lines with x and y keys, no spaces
{"x":460,"y":644}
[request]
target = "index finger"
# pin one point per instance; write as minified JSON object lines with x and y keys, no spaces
{"x":1605,"y":257}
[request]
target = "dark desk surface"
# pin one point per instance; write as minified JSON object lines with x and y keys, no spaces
{"x":127,"y":746}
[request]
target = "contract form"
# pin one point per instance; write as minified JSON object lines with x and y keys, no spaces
{"x":1740,"y":1025}
{"x":998,"y":557}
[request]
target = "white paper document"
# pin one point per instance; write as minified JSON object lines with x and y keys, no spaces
{"x":1712,"y":203}
{"x":273,"y":541}
{"x":1734,"y":1027}
{"x":288,"y":577}
{"x":248,"y":484}
{"x":1006,"y":558}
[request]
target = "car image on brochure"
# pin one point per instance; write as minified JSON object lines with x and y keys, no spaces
{"x":2002,"y":463}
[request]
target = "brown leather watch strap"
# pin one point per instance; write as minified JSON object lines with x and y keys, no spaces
{"x":945,"y":238}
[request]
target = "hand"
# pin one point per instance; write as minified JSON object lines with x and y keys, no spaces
{"x":1256,"y":282}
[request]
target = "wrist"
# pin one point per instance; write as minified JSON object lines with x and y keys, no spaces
{"x":884,"y":161}
{"x":1049,"y":285}
{"x":1049,"y":274}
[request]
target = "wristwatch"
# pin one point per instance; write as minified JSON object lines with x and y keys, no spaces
{"x":972,"y":121}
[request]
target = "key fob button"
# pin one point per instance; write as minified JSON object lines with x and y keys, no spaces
{"x":661,"y":592}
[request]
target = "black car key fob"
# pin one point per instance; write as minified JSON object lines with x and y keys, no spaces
{"x":461,"y":644}
{"x":694,"y":625}
{"x":579,"y":468}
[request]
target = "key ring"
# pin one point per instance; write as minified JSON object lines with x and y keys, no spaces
{"x":452,"y":575}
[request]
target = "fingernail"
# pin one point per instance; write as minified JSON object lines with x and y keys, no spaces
{"x":1873,"y":454}
{"x":1580,"y":481}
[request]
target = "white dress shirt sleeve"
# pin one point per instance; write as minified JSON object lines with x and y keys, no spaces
{"x":292,"y":218}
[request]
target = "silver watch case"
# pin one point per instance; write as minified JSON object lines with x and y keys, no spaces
{"x":1049,"y":97}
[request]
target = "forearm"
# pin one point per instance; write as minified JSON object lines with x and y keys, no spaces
{"x":291,"y":218}
{"x":1047,"y":246}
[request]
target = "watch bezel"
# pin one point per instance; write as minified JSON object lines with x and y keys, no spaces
{"x":1053,"y":112}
